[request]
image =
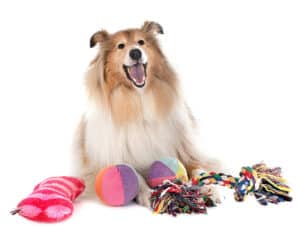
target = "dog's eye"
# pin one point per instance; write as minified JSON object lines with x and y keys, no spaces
{"x":121,"y":45}
{"x":141,"y":42}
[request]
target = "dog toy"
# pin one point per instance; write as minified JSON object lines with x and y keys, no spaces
{"x":174,"y":197}
{"x":167,"y":168}
{"x":265,"y":183}
{"x":117,"y":185}
{"x":51,"y":200}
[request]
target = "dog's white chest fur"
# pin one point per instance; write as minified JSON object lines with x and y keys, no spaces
{"x":138,"y":143}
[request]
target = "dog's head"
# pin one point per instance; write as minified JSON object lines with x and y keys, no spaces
{"x":129,"y":57}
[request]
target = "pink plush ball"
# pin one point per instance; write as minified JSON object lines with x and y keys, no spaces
{"x":117,"y":185}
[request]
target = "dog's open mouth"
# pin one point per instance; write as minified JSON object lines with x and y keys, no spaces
{"x":136,"y":73}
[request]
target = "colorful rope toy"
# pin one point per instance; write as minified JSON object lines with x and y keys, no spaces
{"x":265,"y":183}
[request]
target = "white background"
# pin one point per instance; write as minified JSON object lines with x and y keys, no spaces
{"x":239,"y":63}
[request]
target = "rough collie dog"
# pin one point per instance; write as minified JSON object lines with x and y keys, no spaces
{"x":136,"y":113}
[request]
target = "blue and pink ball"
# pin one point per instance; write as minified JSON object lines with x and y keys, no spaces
{"x":167,"y":168}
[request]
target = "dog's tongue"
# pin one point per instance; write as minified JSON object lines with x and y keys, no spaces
{"x":137,"y":73}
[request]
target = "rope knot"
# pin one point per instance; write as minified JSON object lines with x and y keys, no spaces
{"x":245,"y":183}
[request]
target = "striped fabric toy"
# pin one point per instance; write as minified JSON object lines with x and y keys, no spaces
{"x":51,"y":200}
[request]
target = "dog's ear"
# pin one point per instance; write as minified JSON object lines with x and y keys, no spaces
{"x":152,"y":27}
{"x":99,"y":37}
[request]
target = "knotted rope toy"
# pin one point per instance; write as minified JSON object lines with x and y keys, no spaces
{"x":266,"y":184}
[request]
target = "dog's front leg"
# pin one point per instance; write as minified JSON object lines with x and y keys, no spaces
{"x":188,"y":153}
{"x":191,"y":158}
{"x":143,"y":197}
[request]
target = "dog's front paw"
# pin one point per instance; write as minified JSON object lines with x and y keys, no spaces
{"x":143,"y":198}
{"x":212,"y":192}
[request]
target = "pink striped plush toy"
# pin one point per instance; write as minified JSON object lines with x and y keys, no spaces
{"x":51,"y":200}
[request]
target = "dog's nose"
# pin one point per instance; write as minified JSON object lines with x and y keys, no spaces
{"x":135,"y":54}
